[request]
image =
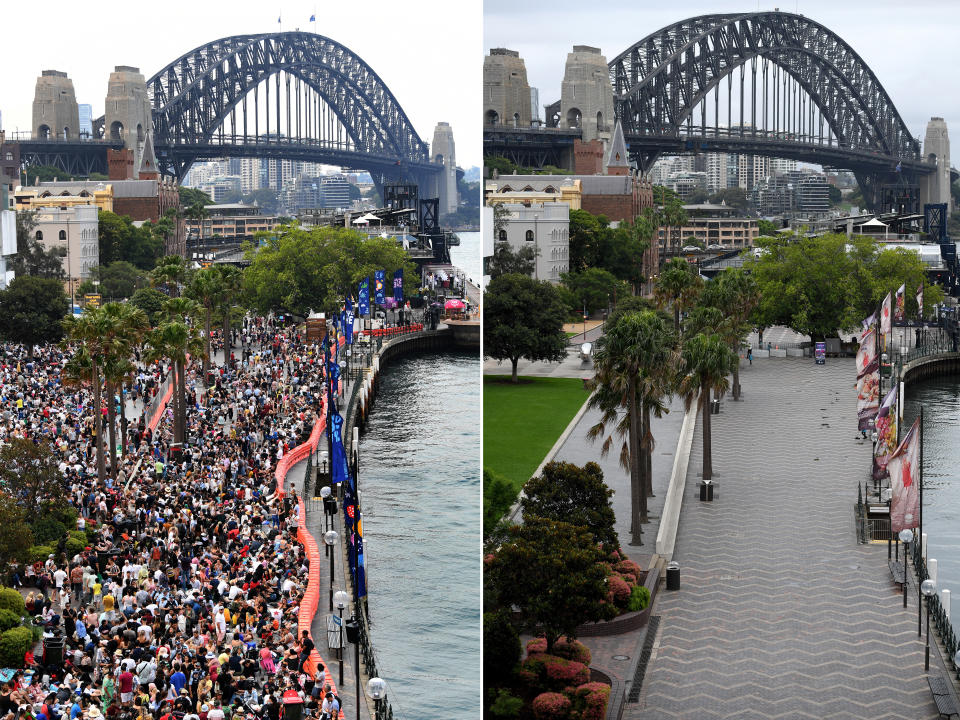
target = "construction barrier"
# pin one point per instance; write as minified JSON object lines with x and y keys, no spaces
{"x":392,"y":331}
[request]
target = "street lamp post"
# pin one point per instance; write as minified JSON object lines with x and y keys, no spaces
{"x":325,"y":493}
{"x":330,"y":538}
{"x":928,"y":587}
{"x":906,"y":536}
{"x":376,"y":691}
{"x":340,"y":599}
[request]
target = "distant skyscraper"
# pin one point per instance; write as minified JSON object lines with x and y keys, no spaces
{"x":86,"y":119}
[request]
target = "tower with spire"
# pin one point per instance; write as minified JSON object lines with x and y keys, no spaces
{"x":618,"y":161}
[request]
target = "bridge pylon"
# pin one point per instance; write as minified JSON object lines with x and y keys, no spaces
{"x":935,"y":187}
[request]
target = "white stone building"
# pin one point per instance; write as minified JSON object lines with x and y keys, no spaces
{"x":546,"y":228}
{"x":76,"y":230}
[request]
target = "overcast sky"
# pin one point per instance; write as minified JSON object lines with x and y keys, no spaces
{"x":425,"y":51}
{"x":912,"y":47}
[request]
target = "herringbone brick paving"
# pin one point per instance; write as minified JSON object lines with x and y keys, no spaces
{"x":781,"y":613}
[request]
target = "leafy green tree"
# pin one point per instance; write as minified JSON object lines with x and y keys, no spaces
{"x":118,"y":280}
{"x":32,"y":310}
{"x":150,"y":301}
{"x":30,"y":474}
{"x":735,"y":197}
{"x":552,"y":572}
{"x":593,"y":288}
{"x":589,"y":240}
{"x":678,"y":285}
{"x":15,"y":535}
{"x":230,"y":278}
{"x":507,"y":261}
{"x":523,"y":318}
{"x":573,"y":494}
{"x":835,"y":195}
{"x":206,"y":289}
{"x":501,"y":647}
{"x":633,"y":369}
{"x":120,"y":239}
{"x":298,"y":269}
{"x":44,"y":173}
{"x":498,"y":496}
{"x":192,"y":196}
{"x":706,"y":362}
{"x":32,"y":257}
{"x":767,"y":228}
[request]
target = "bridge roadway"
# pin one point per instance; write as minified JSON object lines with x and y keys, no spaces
{"x":780,"y":612}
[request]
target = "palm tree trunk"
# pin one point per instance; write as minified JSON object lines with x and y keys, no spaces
{"x":182,"y":381}
{"x":676,"y":315}
{"x":123,"y":421}
{"x":112,"y":428}
{"x":227,"y":342}
{"x":707,"y":449}
{"x":98,"y":423}
{"x":736,"y":379}
{"x":638,"y":500}
{"x":648,"y":455}
{"x":206,"y":346}
{"x":175,"y":397}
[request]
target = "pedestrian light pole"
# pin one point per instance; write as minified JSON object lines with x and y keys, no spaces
{"x":330,"y":538}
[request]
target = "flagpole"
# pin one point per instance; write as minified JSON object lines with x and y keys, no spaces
{"x":919,"y":535}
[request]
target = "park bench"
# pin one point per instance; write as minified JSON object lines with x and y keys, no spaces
{"x":946,"y":705}
{"x":896,"y":569}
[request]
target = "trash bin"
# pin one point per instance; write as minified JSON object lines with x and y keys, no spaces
{"x":715,"y":407}
{"x":673,"y":576}
{"x":706,"y":491}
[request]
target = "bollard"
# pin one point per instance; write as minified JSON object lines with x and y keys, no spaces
{"x":932,"y":569}
{"x":945,"y":602}
{"x":923,"y":545}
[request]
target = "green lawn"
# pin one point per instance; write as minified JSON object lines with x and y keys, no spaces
{"x":522,"y":422}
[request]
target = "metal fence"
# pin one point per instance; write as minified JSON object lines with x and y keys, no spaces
{"x":938,"y":614}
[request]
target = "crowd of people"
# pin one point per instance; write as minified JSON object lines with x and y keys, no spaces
{"x":185,"y":603}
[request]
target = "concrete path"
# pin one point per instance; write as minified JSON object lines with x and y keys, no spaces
{"x":781,"y":613}
{"x":578,"y":449}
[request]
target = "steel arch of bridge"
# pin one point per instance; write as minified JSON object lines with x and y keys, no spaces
{"x":660,"y":80}
{"x":193,"y":95}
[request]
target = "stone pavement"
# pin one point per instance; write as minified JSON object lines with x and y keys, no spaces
{"x":780,"y":612}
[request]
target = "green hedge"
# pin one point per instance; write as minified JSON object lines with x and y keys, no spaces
{"x":12,"y":600}
{"x":14,"y":644}
{"x":8,"y":619}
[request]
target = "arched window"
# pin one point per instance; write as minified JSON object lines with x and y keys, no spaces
{"x":63,"y":234}
{"x":503,"y":236}
{"x":599,"y":122}
{"x":116,"y":130}
{"x":9,"y":156}
{"x":573,"y":118}
{"x":516,"y":119}
{"x":549,"y":189}
{"x":529,"y":236}
{"x":506,"y":188}
{"x":492,"y":117}
{"x":39,"y":235}
{"x":528,"y":188}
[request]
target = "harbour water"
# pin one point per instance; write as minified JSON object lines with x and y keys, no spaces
{"x":940,"y":398}
{"x":467,"y":256}
{"x":420,"y":485}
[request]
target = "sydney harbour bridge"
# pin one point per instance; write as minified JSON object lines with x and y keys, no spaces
{"x":288,"y":95}
{"x":765,"y":84}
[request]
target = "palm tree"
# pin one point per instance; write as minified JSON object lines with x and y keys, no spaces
{"x":207,"y":290}
{"x":170,"y":271}
{"x":679,"y":285}
{"x":231,"y":283}
{"x":128,"y":330}
{"x":175,"y":340}
{"x":706,"y":362}
{"x":93,"y":330}
{"x":632,"y":372}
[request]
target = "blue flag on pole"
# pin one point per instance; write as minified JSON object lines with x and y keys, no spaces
{"x":363,"y":301}
{"x":379,"y":278}
{"x":361,"y":572}
{"x":338,"y":460}
{"x":313,"y":18}
{"x":398,"y":285}
{"x":348,"y":322}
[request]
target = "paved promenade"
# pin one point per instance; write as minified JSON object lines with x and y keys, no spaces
{"x":781,"y":613}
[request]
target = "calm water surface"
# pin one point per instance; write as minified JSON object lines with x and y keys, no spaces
{"x":420,"y":484}
{"x":467,"y":256}
{"x":940,"y":398}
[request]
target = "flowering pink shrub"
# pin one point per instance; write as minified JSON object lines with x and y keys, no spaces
{"x":561,"y":672}
{"x":589,"y":701}
{"x":551,"y":706}
{"x":618,"y":591}
{"x":569,"y":649}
